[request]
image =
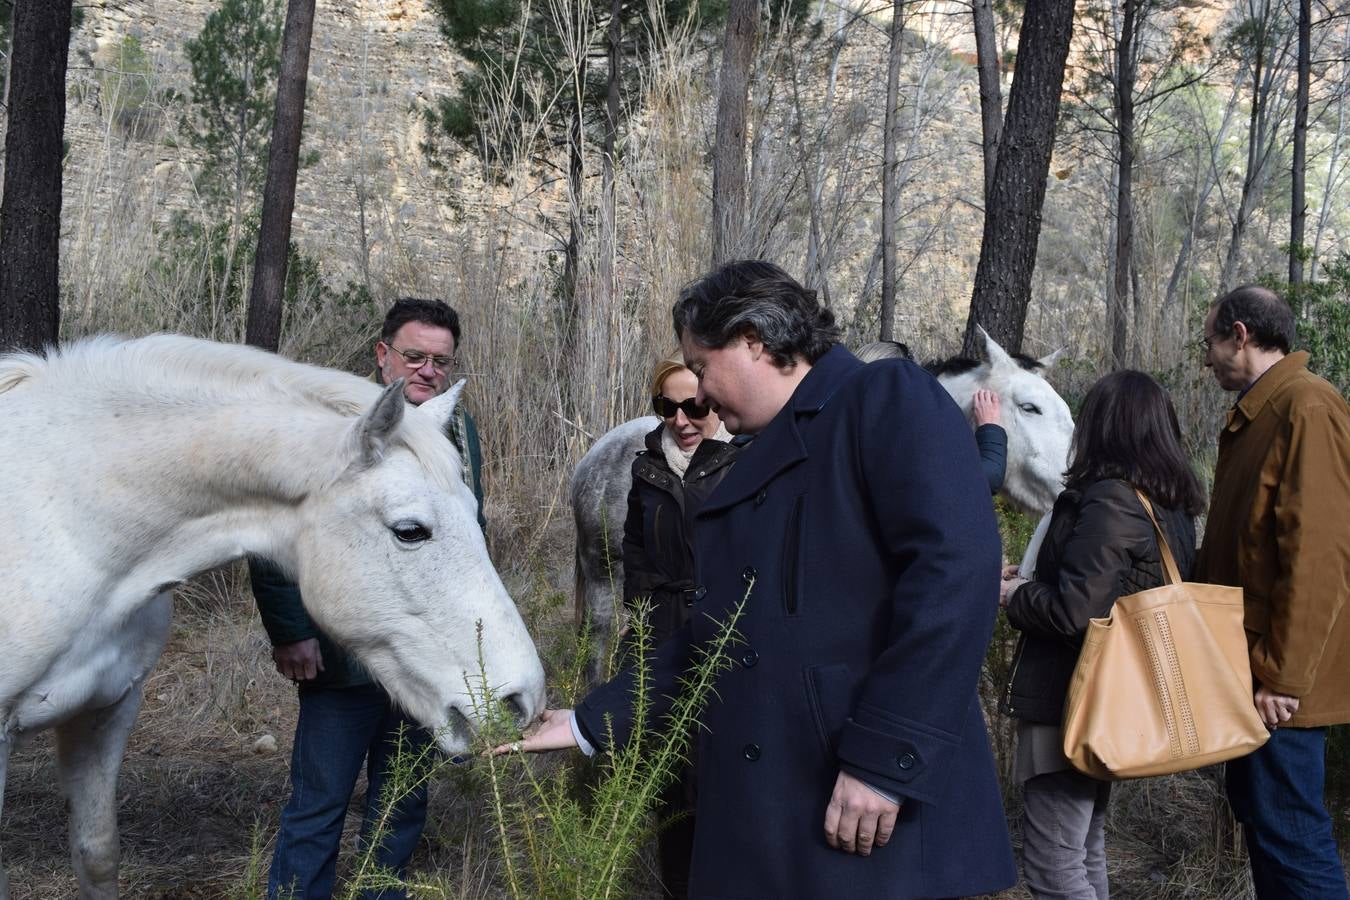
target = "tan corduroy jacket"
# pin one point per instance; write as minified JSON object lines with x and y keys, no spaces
{"x":1279,"y":526}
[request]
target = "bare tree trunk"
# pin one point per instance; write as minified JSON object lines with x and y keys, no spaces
{"x":889,"y":199}
{"x":1337,"y":143}
{"x":30,"y":213}
{"x":728,"y":189}
{"x":362,"y":139}
{"x":1123,"y":99}
{"x":991,"y":99}
{"x":1012,"y":220}
{"x":9,"y":67}
{"x":263,"y":328}
{"x":818,"y":252}
{"x":1298,"y":213}
{"x":1268,"y":62}
{"x":576,"y":182}
{"x":614,"y":35}
{"x":237,"y":200}
{"x":1182,"y":264}
{"x":814,"y":275}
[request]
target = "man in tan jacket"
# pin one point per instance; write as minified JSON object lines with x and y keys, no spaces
{"x":1279,"y":526}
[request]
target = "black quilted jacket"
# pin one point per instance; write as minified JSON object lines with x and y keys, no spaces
{"x":658,"y":535}
{"x":1100,"y":546}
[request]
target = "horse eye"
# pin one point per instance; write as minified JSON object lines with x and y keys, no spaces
{"x":410,"y":532}
{"x":1029,"y":408}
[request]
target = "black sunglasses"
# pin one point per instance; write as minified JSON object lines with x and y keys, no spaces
{"x":666,"y":408}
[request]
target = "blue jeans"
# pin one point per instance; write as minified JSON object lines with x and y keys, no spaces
{"x":1276,"y":794}
{"x":338,"y":729}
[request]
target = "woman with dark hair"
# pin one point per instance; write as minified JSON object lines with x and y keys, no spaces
{"x":687,"y":456}
{"x":1100,"y":546}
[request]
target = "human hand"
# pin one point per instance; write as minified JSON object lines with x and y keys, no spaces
{"x":298,"y":661}
{"x":857,"y":817}
{"x":988,"y":408}
{"x":1012,"y":570}
{"x":1010,"y":583}
{"x":552,"y":732}
{"x":1275,"y":708}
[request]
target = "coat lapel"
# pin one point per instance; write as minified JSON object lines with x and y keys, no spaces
{"x":781,"y":445}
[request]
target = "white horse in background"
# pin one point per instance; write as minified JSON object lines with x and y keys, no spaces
{"x":132,"y":465}
{"x":1036,"y":418}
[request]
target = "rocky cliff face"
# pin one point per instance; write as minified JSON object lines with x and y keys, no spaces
{"x":367,"y":189}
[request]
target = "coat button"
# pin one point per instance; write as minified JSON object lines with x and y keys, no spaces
{"x":748,"y":574}
{"x":905,"y":760}
{"x":751,"y":752}
{"x":749,"y":658}
{"x":761,"y":497}
{"x":693,"y":595}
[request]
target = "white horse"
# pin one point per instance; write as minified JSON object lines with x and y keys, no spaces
{"x":1036,"y":418}
{"x":131,"y":465}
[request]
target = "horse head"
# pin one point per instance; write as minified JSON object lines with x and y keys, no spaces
{"x":1038,"y":421}
{"x":391,"y":562}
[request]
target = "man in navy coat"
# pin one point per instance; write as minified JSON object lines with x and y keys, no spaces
{"x":845,"y":753}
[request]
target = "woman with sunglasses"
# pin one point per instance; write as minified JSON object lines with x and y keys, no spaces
{"x":685,"y":458}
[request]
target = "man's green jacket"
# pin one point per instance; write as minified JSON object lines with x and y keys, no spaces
{"x":283,"y":613}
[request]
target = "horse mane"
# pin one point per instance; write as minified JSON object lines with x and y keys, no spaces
{"x":176,"y":369}
{"x":16,"y":368}
{"x":959,"y":365}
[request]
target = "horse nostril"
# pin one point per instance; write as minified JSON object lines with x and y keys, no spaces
{"x":519,"y":708}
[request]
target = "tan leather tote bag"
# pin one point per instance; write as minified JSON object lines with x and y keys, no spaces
{"x":1163,"y":684}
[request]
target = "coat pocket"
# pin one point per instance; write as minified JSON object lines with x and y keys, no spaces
{"x":829,"y":695}
{"x":792,"y":557}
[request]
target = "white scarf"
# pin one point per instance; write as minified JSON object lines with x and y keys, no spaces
{"x":677,"y":457}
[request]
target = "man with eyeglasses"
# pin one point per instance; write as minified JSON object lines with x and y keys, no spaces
{"x":345,"y":718}
{"x":1278,"y":528}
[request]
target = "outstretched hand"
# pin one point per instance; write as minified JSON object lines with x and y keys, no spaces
{"x":553,"y":731}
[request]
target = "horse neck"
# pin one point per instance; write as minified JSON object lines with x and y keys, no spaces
{"x":228,"y":479}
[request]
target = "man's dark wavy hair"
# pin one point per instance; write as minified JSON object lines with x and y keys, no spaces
{"x":437,"y":313}
{"x":1269,"y":319}
{"x":754,"y":295}
{"x":1128,"y":429}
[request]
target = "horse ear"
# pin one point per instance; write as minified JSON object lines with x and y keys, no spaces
{"x":370,"y":434}
{"x":997,"y":355}
{"x":1048,"y":361}
{"x":442,"y":407}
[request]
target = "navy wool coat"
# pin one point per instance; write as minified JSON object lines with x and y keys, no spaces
{"x":864,"y":519}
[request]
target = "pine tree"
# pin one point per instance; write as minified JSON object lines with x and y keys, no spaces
{"x":234,"y":71}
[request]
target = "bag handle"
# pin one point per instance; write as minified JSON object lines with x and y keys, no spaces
{"x":1170,"y":570}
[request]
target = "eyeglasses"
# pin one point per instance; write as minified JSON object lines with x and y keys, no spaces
{"x":666,"y":408}
{"x":417,"y":359}
{"x":1205,"y":342}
